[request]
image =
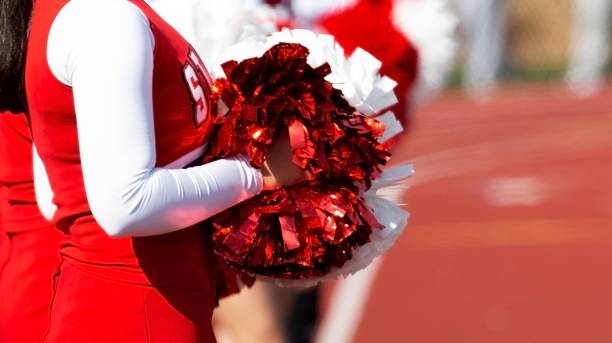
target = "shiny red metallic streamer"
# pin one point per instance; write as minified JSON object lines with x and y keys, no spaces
{"x":304,"y":230}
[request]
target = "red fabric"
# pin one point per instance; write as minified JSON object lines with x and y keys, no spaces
{"x":369,"y":25}
{"x":95,"y":309}
{"x":181,"y":260}
{"x":4,"y":249}
{"x":29,"y":252}
{"x":26,"y":276}
{"x":18,"y":209}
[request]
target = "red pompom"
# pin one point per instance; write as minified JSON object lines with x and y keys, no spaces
{"x":305,"y":230}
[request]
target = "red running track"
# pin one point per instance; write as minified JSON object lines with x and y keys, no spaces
{"x":510,"y":238}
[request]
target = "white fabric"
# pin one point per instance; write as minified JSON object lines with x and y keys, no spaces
{"x":113,"y":62}
{"x":179,"y":14}
{"x":430,"y":25}
{"x":212,"y":26}
{"x":311,"y":10}
{"x":44,"y":194}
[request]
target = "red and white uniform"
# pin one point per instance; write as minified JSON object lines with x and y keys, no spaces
{"x":117,"y":105}
{"x":29,"y":244}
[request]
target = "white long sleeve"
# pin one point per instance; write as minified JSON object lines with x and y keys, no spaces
{"x":109,"y":65}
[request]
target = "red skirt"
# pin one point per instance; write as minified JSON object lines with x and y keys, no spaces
{"x":91,"y":308}
{"x":28,"y":260}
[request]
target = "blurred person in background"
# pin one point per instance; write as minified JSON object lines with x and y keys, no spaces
{"x":414,"y":39}
{"x":590,"y":47}
{"x":483,"y":23}
{"x":29,"y":244}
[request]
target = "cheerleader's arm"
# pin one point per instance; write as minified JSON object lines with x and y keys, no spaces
{"x":109,"y":65}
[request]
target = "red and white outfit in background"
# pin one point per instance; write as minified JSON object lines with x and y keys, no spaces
{"x":377,"y":34}
{"x":117,"y":107}
{"x":367,"y":24}
{"x":414,"y":39}
{"x":29,"y":244}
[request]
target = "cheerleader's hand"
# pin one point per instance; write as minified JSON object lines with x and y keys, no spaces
{"x":278,"y":169}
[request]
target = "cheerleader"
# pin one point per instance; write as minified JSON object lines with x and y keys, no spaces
{"x":117,"y":104}
{"x":29,"y":243}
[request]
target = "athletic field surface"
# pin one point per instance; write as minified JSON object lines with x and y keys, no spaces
{"x":510,"y":236}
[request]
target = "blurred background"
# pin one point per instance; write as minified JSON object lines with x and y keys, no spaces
{"x":510,"y":236}
{"x":535,"y":40}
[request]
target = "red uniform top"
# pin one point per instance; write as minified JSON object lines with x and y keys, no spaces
{"x":181,"y":259}
{"x":18,"y":208}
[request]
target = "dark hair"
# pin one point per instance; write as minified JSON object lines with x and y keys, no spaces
{"x":14,"y":26}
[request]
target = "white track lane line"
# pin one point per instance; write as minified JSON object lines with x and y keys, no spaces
{"x":348,"y":300}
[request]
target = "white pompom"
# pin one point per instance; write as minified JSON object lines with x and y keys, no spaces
{"x":430,"y":25}
{"x":393,"y":127}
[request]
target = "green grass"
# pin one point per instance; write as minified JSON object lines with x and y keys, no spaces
{"x":525,"y":74}
{"x":536,"y":74}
